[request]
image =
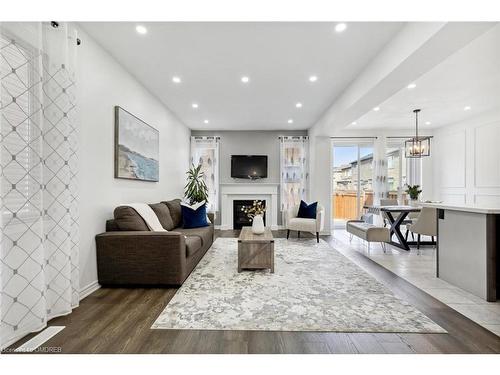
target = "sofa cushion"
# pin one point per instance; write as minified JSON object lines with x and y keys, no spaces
{"x":301,"y":224}
{"x":161,"y":210}
{"x":174,"y":206}
{"x":204,"y":233}
{"x":127,"y":219}
{"x":193,"y":244}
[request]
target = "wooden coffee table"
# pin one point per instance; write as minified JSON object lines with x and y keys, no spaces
{"x":255,"y":251}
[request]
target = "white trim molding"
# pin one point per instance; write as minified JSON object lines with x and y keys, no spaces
{"x":89,"y":289}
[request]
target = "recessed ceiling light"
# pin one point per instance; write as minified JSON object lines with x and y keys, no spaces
{"x":467,"y":108}
{"x":313,"y":78}
{"x":353,"y":123}
{"x":298,"y":105}
{"x":141,"y":29}
{"x":194,"y":105}
{"x":340,"y":27}
{"x":205,"y":121}
{"x":176,"y":79}
{"x":376,"y":109}
{"x":412,"y":86}
{"x":245,"y":79}
{"x":427,"y":123}
{"x":290,"y":121}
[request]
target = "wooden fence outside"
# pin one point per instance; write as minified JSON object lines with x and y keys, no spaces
{"x":344,"y":203}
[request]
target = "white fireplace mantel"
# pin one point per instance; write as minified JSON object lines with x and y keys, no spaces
{"x":249,"y":191}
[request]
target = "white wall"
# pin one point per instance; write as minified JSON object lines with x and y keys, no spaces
{"x":467,"y":161}
{"x":103,"y":83}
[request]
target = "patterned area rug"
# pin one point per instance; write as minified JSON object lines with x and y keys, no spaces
{"x":314,"y":288}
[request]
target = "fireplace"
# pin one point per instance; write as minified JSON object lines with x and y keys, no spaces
{"x":240,"y":219}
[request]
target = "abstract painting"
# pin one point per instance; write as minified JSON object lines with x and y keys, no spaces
{"x":136,"y":148}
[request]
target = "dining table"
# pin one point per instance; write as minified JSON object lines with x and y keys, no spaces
{"x":396,"y":216}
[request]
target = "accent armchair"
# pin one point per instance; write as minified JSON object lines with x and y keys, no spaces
{"x":299,"y":224}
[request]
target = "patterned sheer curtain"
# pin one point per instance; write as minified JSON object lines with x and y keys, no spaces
{"x":380,"y":185}
{"x":294,"y":164}
{"x":205,"y":151}
{"x":38,"y":159}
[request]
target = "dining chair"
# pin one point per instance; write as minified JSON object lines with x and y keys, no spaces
{"x":426,"y":224}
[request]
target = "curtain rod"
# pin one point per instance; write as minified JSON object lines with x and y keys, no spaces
{"x":55,"y":25}
{"x":353,"y":137}
{"x":409,"y":136}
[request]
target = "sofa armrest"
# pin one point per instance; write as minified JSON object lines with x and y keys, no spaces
{"x":140,"y":257}
{"x":320,"y":219}
{"x":290,"y":214}
{"x":211,"y":216}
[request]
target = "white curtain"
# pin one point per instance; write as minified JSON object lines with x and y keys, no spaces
{"x":205,"y":151}
{"x":38,"y":159}
{"x":379,"y":170}
{"x":294,"y":166}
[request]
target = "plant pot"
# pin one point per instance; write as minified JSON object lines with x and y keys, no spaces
{"x":258,"y":224}
{"x":414,"y":202}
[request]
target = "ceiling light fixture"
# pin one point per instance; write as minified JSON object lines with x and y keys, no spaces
{"x":376,"y":109}
{"x":298,"y":105}
{"x":417,"y":146}
{"x":467,"y":108}
{"x":428,"y":123}
{"x":205,"y":121}
{"x":194,"y":105}
{"x":245,"y":79}
{"x":141,"y":29}
{"x":313,"y":78}
{"x":340,"y":27}
{"x":290,"y":121}
{"x":354,"y":123}
{"x":176,"y":79}
{"x":412,"y":86}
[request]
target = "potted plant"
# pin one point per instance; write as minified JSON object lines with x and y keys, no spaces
{"x":413,"y":191}
{"x":256,"y":213}
{"x":196,"y":189}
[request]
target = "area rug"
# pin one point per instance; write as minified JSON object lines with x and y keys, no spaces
{"x":314,"y":288}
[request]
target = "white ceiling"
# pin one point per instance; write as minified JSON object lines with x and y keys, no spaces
{"x":469,"y":77}
{"x":211,"y":58}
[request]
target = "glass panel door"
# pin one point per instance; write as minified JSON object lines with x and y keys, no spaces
{"x":352,"y":181}
{"x":396,"y":173}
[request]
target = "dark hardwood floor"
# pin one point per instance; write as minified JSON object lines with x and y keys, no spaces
{"x":119,"y":321}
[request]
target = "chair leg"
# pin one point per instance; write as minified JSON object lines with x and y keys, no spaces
{"x":382,"y":244}
{"x":350,"y":237}
{"x":412,"y":236}
{"x":368,"y":248}
{"x":287,"y":233}
{"x":418,"y":244}
{"x":406,"y":234}
{"x":298,"y":234}
{"x":317,"y":237}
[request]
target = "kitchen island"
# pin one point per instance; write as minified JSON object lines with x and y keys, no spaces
{"x":468,"y":248}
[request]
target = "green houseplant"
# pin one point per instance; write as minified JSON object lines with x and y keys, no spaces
{"x":413,"y":191}
{"x":196,"y":189}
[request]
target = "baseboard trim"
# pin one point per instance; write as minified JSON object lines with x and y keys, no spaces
{"x":89,"y":289}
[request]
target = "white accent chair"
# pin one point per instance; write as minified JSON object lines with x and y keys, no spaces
{"x":425,"y":224}
{"x":292,"y":222}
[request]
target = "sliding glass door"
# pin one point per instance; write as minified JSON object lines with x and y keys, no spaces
{"x":352,"y":180}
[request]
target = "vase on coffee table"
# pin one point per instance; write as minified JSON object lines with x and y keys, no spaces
{"x":258,"y":224}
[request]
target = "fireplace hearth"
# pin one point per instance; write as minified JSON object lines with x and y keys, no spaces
{"x":240,"y":219}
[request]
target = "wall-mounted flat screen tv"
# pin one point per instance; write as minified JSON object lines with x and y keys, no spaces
{"x":249,"y":166}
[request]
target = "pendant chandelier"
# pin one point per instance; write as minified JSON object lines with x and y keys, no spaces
{"x":417,"y":146}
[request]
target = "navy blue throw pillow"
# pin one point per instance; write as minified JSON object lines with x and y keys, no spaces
{"x":194,"y":218}
{"x":307,"y":211}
